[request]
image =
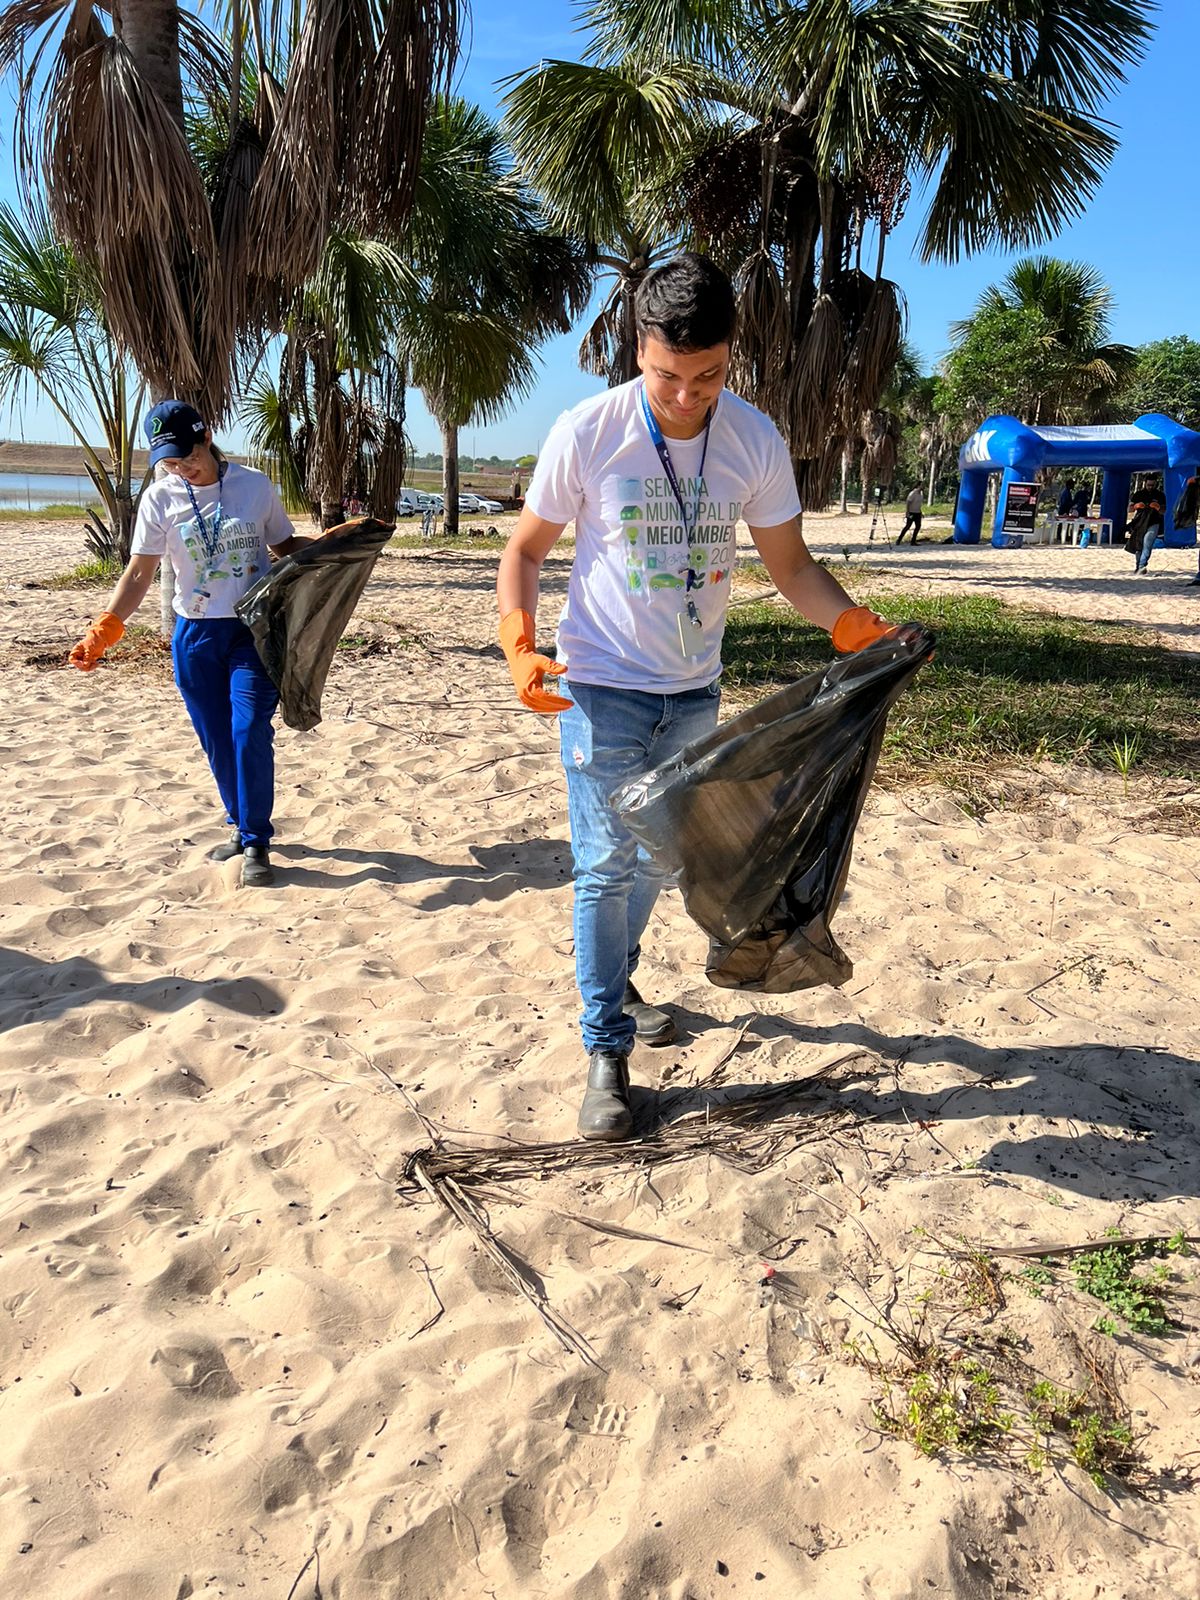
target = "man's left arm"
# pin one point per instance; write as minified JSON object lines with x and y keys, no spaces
{"x":285,"y":547}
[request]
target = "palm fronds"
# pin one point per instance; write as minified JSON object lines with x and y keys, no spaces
{"x":346,"y":142}
{"x":749,"y":1129}
{"x":159,"y":266}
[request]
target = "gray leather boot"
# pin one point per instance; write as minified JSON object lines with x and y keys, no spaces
{"x":226,"y":852}
{"x":257,"y":872}
{"x":605,"y":1112}
{"x":654,"y":1027}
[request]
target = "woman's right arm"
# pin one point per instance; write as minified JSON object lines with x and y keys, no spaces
{"x":132,"y":586}
{"x":109,"y":626}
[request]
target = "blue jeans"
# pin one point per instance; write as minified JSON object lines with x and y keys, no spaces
{"x":608,"y":737}
{"x":1153,"y":533}
{"x":231,"y":701}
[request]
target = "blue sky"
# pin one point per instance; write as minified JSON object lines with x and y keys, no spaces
{"x":1142,"y":230}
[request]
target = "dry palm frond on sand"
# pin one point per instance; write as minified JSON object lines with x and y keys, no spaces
{"x":750,"y":1129}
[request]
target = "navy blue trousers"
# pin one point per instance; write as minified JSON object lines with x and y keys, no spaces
{"x":231,"y":701}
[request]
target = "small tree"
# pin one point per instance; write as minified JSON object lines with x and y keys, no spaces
{"x":333,"y":425}
{"x":53,"y":336}
{"x":1165,"y":377}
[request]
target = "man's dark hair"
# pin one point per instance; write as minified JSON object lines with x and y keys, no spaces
{"x":687,"y":303}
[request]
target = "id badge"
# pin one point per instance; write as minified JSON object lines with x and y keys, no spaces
{"x":691,"y":633}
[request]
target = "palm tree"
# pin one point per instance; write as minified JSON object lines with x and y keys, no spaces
{"x":1070,"y":307}
{"x":812,"y":117}
{"x":456,"y":305}
{"x":879,"y":429}
{"x":53,"y":336}
{"x":593,"y":142}
{"x":490,"y":281}
{"x":333,"y":425}
{"x":322,"y":110}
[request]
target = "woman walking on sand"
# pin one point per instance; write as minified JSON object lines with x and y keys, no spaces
{"x":218,"y":524}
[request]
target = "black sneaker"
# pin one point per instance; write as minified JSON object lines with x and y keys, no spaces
{"x":654,"y":1027}
{"x":605,"y":1112}
{"x":226,"y":852}
{"x":257,"y":872}
{"x":1193,"y":583}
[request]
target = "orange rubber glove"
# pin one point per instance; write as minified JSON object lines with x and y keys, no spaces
{"x":527,"y":667}
{"x":106,"y":630}
{"x":858,"y":627}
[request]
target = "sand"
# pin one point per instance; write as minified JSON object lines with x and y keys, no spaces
{"x":240,"y":1357}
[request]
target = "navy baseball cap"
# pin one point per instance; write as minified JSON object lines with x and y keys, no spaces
{"x":174,"y":429}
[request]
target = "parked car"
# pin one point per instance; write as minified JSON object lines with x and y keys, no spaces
{"x":408,"y":503}
{"x":477,"y":505}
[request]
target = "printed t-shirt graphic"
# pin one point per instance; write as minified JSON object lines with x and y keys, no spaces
{"x":619,"y":626}
{"x":210,"y":584}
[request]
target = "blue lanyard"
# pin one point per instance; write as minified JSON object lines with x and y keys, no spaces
{"x":211,"y":543}
{"x":664,"y":455}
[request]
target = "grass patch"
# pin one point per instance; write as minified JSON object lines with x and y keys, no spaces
{"x":464,"y":540}
{"x":143,"y":649}
{"x":363,"y":645}
{"x":87,"y":575}
{"x":1108,"y":1275}
{"x":64,"y":511}
{"x":1008,"y":685}
{"x":951,"y":1381}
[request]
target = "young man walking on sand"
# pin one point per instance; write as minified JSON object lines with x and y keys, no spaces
{"x":656,"y":475}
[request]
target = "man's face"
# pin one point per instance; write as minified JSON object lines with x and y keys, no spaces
{"x":681,"y":385}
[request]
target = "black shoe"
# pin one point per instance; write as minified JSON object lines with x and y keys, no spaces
{"x":226,"y":852}
{"x":654,"y":1027}
{"x":1193,"y":583}
{"x":605,"y":1112}
{"x":256,"y":867}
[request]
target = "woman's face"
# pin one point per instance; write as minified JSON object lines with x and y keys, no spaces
{"x":200,"y":467}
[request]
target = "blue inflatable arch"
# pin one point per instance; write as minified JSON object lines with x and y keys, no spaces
{"x":1153,"y":443}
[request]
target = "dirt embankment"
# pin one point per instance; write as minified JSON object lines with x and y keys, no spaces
{"x":16,"y":456}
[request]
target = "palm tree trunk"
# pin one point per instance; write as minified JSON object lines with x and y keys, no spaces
{"x":845,"y":473}
{"x":934,"y":463}
{"x":450,"y":478}
{"x":150,"y":31}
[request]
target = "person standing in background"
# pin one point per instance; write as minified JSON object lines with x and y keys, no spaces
{"x":1145,"y":527}
{"x":912,"y":515}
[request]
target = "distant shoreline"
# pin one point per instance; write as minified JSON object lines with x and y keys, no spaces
{"x":15,"y":456}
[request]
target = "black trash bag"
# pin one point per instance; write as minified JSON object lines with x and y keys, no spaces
{"x":755,"y":821}
{"x":299,"y":611}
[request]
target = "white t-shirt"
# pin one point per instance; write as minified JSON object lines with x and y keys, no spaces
{"x":620,"y":625}
{"x":210,"y":583}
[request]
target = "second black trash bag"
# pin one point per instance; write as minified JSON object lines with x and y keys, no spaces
{"x":755,"y":822}
{"x":299,"y":611}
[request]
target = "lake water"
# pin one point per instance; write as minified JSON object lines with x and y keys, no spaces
{"x":35,"y":489}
